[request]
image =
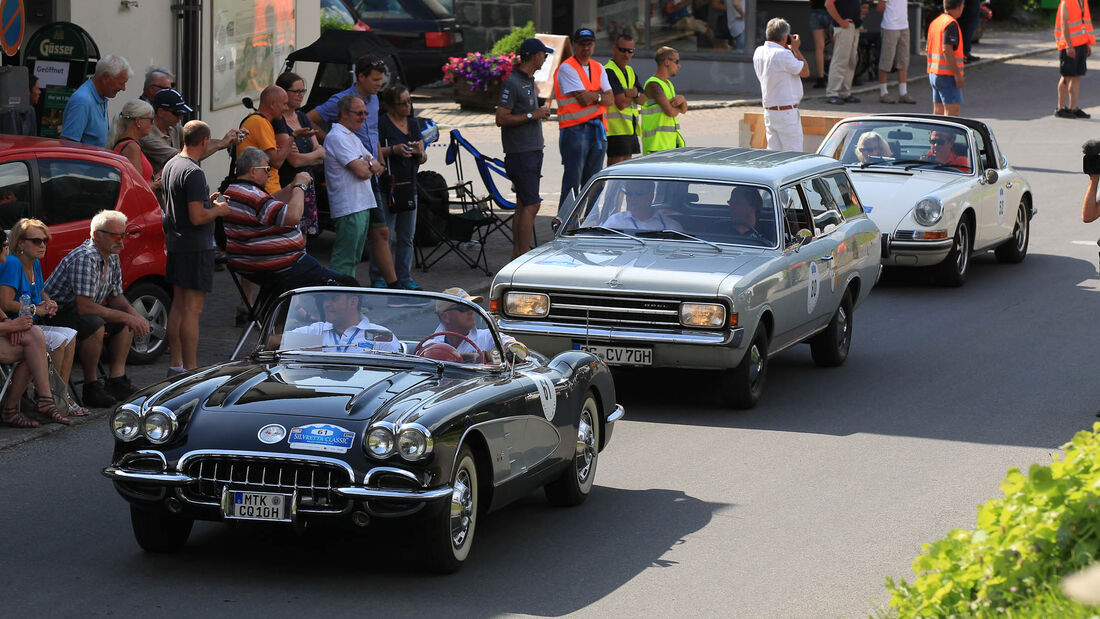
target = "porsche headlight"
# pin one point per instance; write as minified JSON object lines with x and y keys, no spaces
{"x":533,"y":304}
{"x":928,"y":211}
{"x":414,"y":442}
{"x":126,"y":424}
{"x":159,"y":425}
{"x":710,"y":315}
{"x":379,"y":442}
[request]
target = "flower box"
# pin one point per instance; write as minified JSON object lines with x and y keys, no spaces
{"x":477,"y":99}
{"x":477,"y":78}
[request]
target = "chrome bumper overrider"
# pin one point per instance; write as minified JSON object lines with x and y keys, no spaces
{"x":920,"y":246}
{"x":729,"y":337}
{"x":617,"y":414}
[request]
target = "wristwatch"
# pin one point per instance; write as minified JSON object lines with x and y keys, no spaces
{"x":303,"y":187}
{"x":530,"y":115}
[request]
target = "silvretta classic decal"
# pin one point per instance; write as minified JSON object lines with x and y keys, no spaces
{"x":321,"y":437}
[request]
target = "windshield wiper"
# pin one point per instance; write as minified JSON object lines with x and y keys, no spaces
{"x":684,"y":235}
{"x":606,"y":229}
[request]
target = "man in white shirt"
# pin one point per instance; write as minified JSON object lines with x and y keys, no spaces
{"x":895,"y":50}
{"x":780,"y":66}
{"x":639,"y":213}
{"x":349,"y":167}
{"x":347,"y":329}
{"x":462,"y":319}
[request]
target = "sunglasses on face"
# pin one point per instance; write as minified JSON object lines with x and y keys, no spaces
{"x":869,"y":149}
{"x":460,"y":308}
{"x":626,"y":50}
{"x":937,"y":142}
{"x":118,"y":236}
{"x":676,"y":60}
{"x":37,"y":240}
{"x":297,"y":91}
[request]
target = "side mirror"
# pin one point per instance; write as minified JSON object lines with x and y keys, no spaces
{"x":990,"y":177}
{"x":555,"y":223}
{"x":515,"y":352}
{"x":804,"y":236}
{"x":566,"y":205}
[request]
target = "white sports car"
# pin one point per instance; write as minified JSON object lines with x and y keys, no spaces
{"x":938,"y":187}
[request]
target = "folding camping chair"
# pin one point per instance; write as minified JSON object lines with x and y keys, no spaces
{"x":486,"y":167}
{"x":253,"y":309}
{"x":446,"y":230}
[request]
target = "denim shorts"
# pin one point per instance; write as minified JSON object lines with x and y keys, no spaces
{"x":944,"y":89}
{"x":820,"y":20}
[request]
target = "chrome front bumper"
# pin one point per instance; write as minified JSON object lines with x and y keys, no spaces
{"x":730,"y":338}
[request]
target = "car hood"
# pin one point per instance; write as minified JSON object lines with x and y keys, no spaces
{"x":889,"y":196}
{"x":658,"y":266}
{"x":336,"y":390}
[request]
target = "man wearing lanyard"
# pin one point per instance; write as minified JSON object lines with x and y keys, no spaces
{"x":582,"y":92}
{"x":347,"y":329}
{"x":639,"y":213}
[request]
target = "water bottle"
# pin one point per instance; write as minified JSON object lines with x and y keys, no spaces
{"x":140,"y":343}
{"x":470,"y":247}
{"x":26,"y":308}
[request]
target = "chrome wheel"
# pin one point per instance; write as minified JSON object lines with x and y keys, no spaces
{"x":1014,"y":250}
{"x":586,"y":447}
{"x":756,"y":366}
{"x":1020,"y":232}
{"x":952,"y":271}
{"x":153,"y":303}
{"x":962,"y":248}
{"x":843,"y":331}
{"x":462,"y":508}
{"x":575,"y":482}
{"x":454,"y":524}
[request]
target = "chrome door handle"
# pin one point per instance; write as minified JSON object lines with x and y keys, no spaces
{"x":827,"y":257}
{"x":1008,"y":185}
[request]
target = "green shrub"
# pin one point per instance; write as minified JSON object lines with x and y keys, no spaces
{"x":331,"y":22}
{"x":510,"y":43}
{"x":1046,"y":526}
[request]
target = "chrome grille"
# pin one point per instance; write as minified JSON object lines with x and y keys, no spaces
{"x":904,"y":235}
{"x":614,"y":310}
{"x":315,"y":482}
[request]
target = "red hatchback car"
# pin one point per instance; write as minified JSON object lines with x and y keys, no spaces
{"x":64,"y":184}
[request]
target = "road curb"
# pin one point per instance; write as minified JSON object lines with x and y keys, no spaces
{"x":26,"y":435}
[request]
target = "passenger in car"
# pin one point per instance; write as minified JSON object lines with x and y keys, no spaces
{"x":346,"y":328}
{"x":639,"y":213}
{"x":943,"y":150}
{"x":872,"y":147}
{"x":462,"y":319}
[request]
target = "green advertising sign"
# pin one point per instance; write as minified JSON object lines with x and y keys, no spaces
{"x":53,"y":107}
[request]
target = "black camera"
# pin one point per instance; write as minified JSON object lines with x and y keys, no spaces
{"x":1090,"y":163}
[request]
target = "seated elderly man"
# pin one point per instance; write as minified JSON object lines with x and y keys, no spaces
{"x":346,"y":328}
{"x":263,"y":241}
{"x":462,"y":319}
{"x":640,"y":214}
{"x":943,"y":150}
{"x":872,"y":147}
{"x":87,"y":287}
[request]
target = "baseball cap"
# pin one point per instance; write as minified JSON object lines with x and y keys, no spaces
{"x":530,"y":47}
{"x":169,"y":99}
{"x":583,"y":34}
{"x":442,"y":306}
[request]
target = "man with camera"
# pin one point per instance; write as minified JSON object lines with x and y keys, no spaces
{"x":780,"y":66}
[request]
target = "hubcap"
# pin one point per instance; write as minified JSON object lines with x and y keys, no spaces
{"x":842,"y":328}
{"x":462,"y":508}
{"x":1021,"y":228}
{"x":756,"y":366}
{"x":962,"y":246}
{"x":156,"y":313}
{"x":586,"y":446}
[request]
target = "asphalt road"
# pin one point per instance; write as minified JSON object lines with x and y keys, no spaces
{"x":798,"y":508}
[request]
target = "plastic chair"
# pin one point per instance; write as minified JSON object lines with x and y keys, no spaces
{"x":486,"y":168}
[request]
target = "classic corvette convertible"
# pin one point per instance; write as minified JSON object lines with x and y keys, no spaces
{"x":709,"y":258}
{"x":358,"y":405}
{"x":939,"y":188}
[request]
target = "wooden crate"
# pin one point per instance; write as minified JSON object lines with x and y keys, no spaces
{"x":753,"y":134}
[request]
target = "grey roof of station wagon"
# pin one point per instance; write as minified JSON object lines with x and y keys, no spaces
{"x":747,"y":165}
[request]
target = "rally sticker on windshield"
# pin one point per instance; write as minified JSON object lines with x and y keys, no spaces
{"x":321,"y":437}
{"x":548,"y":396}
{"x":812,"y":289}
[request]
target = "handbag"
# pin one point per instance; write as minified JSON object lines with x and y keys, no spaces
{"x":59,"y":389}
{"x":402,"y":197}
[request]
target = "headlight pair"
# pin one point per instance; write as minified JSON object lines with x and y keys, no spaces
{"x":928,"y":211}
{"x":692,"y":314}
{"x":411,"y":441}
{"x":158,"y":424}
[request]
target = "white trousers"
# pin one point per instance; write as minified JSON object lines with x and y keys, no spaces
{"x":783,"y":129}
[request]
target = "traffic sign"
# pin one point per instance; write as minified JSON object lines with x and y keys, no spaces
{"x":13,"y":22}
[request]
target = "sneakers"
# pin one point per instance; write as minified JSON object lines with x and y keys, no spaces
{"x":834,"y":100}
{"x":120,"y":387}
{"x":1079,"y":113}
{"x":887,"y":98}
{"x":819,"y":83}
{"x":851,"y":99}
{"x":1064,"y":112}
{"x":906,"y":98}
{"x":378,"y":283}
{"x":972,"y":58}
{"x":410,"y":285}
{"x":95,"y":396}
{"x":174,"y":372}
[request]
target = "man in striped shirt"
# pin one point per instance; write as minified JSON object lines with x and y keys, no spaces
{"x":263,"y":241}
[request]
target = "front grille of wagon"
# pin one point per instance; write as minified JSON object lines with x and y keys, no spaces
{"x":314,"y":481}
{"x":614,"y":310}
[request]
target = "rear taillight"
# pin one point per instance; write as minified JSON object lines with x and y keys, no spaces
{"x":439,"y":39}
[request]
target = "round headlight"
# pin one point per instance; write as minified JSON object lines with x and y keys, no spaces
{"x":413,"y":443}
{"x":380,"y":442}
{"x":158,"y":426}
{"x":125,"y":424}
{"x":928,"y":211}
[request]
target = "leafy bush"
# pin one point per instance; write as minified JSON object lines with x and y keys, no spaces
{"x":511,"y":42}
{"x":332,"y":22}
{"x":1046,"y":526}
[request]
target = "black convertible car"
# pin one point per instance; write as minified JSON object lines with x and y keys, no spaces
{"x":363,"y":404}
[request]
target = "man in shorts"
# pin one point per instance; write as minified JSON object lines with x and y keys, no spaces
{"x":1073,"y":33}
{"x":189,"y":213}
{"x":895,"y":50}
{"x":520,"y":117}
{"x":945,"y":60}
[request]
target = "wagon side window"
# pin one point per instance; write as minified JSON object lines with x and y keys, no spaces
{"x":15,"y":193}
{"x":75,"y":190}
{"x":795,"y":217}
{"x":823,"y":202}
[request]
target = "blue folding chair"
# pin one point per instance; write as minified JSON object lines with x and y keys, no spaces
{"x":486,"y":168}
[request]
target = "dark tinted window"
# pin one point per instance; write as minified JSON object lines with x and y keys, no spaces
{"x":15,"y":192}
{"x":76,"y":190}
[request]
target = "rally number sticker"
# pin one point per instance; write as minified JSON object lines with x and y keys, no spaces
{"x":813,"y":290}
{"x":1001,"y":207}
{"x":548,"y":396}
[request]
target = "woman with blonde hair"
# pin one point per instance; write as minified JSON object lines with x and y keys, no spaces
{"x":133,"y":123}
{"x":21,"y":275}
{"x":872,"y":146}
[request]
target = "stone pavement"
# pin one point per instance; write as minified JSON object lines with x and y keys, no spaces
{"x":219,"y":335}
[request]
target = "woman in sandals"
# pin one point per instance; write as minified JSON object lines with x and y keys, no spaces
{"x":20,"y":340}
{"x":22,"y":275}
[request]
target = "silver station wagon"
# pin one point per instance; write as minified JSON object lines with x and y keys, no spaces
{"x":709,"y":258}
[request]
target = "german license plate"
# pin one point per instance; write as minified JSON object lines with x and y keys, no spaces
{"x":618,"y":355}
{"x":270,"y":506}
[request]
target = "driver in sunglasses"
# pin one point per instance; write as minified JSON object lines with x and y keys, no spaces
{"x":943,"y":150}
{"x":461,"y":319}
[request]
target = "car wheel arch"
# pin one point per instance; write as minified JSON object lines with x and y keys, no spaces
{"x":768,"y":321}
{"x":479,"y":447}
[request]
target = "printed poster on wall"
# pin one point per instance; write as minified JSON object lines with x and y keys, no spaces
{"x":54,"y":101}
{"x":251,"y":41}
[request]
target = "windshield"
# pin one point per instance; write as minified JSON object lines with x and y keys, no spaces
{"x":688,"y":211}
{"x":357,"y":322}
{"x":900,"y":144}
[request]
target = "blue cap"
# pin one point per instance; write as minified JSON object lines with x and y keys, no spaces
{"x":530,"y":47}
{"x":583,"y":34}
